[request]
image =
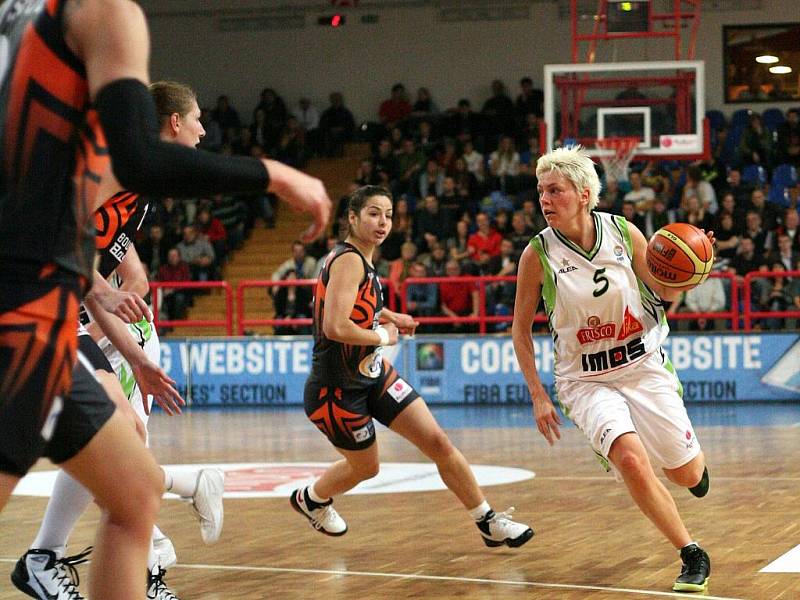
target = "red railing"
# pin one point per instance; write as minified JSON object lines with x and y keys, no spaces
{"x":732,"y":313}
{"x":481,"y":283}
{"x":243,"y":321}
{"x":747,"y":309}
{"x":227,"y":322}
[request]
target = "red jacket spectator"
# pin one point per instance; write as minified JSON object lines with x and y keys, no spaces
{"x":486,"y":238}
{"x":211,"y":226}
{"x":395,"y":108}
{"x":175,"y":268}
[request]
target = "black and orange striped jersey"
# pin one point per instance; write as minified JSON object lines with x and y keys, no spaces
{"x":116,"y":224}
{"x":343,"y":365}
{"x":53,"y":150}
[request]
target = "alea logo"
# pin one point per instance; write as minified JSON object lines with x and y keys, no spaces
{"x":566,"y":267}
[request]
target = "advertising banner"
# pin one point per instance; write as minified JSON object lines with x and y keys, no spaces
{"x":473,"y":369}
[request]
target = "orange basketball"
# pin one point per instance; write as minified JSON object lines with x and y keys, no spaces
{"x":680,"y":255}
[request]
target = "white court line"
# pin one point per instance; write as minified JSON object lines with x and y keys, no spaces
{"x":535,"y":584}
{"x":563,"y":586}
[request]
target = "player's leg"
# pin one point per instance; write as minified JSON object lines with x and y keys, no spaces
{"x":343,"y":417}
{"x":400,"y":408}
{"x":7,"y":484}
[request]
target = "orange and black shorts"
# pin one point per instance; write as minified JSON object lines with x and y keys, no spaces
{"x":345,"y":415}
{"x":38,"y":350}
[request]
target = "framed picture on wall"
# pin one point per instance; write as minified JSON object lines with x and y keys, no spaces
{"x":762,"y":62}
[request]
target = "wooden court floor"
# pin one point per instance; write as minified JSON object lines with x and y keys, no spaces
{"x":590,"y":543}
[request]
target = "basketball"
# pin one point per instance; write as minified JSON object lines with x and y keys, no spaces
{"x":680,"y":255}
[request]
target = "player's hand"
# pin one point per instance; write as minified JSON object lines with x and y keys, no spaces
{"x":394,"y":334}
{"x":126,"y":305}
{"x":547,"y":419}
{"x":153,"y":381}
{"x":406,"y":324}
{"x":710,"y":236}
{"x":303,"y":193}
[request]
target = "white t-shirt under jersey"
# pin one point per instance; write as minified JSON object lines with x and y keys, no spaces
{"x":603,"y":319}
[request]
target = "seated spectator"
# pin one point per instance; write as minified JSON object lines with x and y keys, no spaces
{"x":330,"y":244}
{"x":728,"y":206}
{"x":425,"y":140}
{"x":458,"y":244}
{"x":745,"y":261}
{"x":291,"y":148}
{"x":175,"y":300}
{"x":436,"y":260}
{"x":465,"y":124}
{"x":380,"y":263}
{"x":365,"y":175}
{"x":498,"y":111}
{"x":464,"y":180}
{"x":500,"y":296}
{"x":762,"y":238}
{"x":709,"y":296}
{"x":769,"y":213}
{"x":755,"y":146}
{"x":259,"y":133}
{"x":214,"y":230}
{"x":225,"y":116}
{"x":171,"y":216}
{"x":697,"y":186}
{"x":410,"y":161}
{"x":233,"y":214}
{"x":292,"y":302}
{"x":424,"y":105}
{"x":777,"y":296}
{"x":641,"y":195}
{"x":422,"y":298}
{"x":534,"y":218}
{"x":741,"y":190}
{"x":153,"y":250}
{"x":307,"y":117}
{"x":458,"y":299}
{"x":431,"y":180}
{"x":504,"y":166}
{"x":727,"y":235}
{"x":276,"y":115}
{"x":302,"y":264}
{"x":402,"y":230}
{"x":336,"y":126}
{"x":198,"y":252}
{"x":520,"y":235}
{"x":395,"y":108}
{"x":485,"y":238}
{"x":385,"y":163}
{"x":527,"y":164}
{"x":694,"y":213}
{"x":502,"y":225}
{"x":784,"y":253}
{"x":212,"y":140}
{"x":400,"y":268}
{"x":656,"y":218}
{"x":791,"y":227}
{"x":475,"y":161}
{"x":631,"y":215}
{"x":432,"y":224}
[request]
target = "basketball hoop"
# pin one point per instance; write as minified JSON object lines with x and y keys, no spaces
{"x":616,"y":163}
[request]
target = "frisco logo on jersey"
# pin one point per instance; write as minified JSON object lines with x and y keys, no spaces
{"x":597,"y":331}
{"x":566,"y":267}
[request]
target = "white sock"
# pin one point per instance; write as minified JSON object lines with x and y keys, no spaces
{"x":689,"y":544}
{"x":152,"y":557}
{"x":183,"y":483}
{"x":157,"y":533}
{"x":313,"y":496}
{"x":480,"y":511}
{"x":68,"y":502}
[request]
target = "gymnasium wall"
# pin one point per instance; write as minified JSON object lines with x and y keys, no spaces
{"x":474,"y":369}
{"x":410,"y":45}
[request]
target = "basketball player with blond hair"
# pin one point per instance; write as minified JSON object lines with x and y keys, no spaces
{"x":607,"y":320}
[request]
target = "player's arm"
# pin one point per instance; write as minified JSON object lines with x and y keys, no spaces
{"x":112,"y":39}
{"x":346,"y":273}
{"x":405,"y":324}
{"x":152,"y":380}
{"x":639,"y":263}
{"x":529,"y":286}
{"x":131,"y":271}
{"x":128,"y":306}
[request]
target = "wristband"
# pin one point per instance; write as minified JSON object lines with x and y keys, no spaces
{"x":383,"y":335}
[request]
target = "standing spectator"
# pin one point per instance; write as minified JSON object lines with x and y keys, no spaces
{"x":226,"y":117}
{"x":395,"y":108}
{"x":336,"y":125}
{"x":214,"y":231}
{"x":529,"y":101}
{"x":504,"y":166}
{"x":198,"y":252}
{"x":485,"y":238}
{"x":302,"y":264}
{"x":498,"y":111}
{"x":458,"y":299}
{"x":176,"y":300}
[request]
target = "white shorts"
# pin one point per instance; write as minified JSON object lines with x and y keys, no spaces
{"x":645,"y":400}
{"x":146,"y":336}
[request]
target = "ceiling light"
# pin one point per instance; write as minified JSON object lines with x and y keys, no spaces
{"x":766,"y":59}
{"x":780,"y":69}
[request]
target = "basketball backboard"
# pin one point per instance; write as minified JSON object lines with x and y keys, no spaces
{"x":662,"y":103}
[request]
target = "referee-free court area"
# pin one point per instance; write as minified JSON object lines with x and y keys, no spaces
{"x":408,"y":537}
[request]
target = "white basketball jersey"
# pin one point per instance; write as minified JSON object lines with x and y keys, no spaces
{"x":601,"y":316}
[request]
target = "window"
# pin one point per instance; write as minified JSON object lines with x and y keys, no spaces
{"x":762,"y":62}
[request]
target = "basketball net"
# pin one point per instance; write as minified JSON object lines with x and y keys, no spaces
{"x":616,"y":164}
